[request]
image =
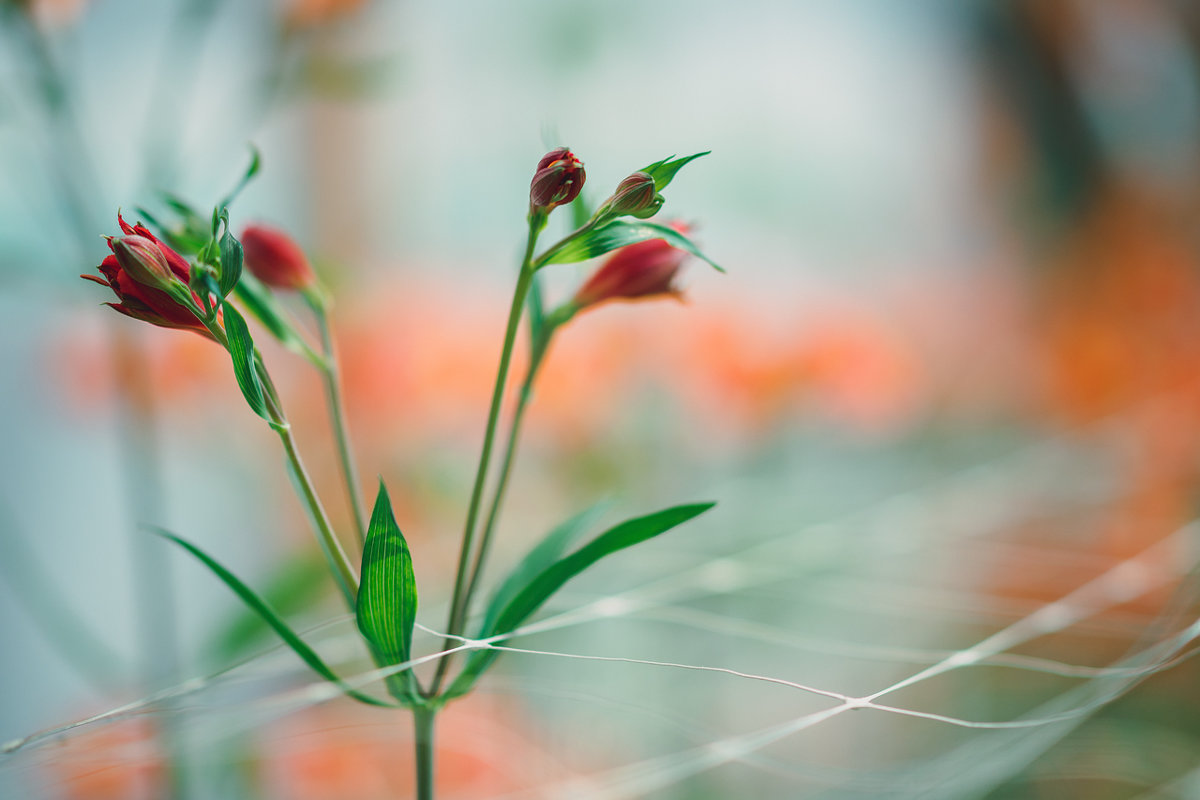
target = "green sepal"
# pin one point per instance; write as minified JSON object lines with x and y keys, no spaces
{"x":540,"y":587}
{"x":664,"y":171}
{"x":387,"y":596}
{"x":203,"y":284}
{"x":616,"y":234}
{"x":259,"y":606}
{"x":264,"y":307}
{"x":241,"y":349}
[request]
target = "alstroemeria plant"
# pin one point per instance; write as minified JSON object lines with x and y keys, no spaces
{"x":211,"y":294}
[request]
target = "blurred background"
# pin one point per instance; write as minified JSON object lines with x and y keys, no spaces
{"x":947,"y":395}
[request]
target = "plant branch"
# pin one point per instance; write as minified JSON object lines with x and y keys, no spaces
{"x":337,"y":416}
{"x":537,"y":356}
{"x":460,"y":600}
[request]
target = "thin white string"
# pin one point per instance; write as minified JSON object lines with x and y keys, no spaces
{"x":1125,"y":581}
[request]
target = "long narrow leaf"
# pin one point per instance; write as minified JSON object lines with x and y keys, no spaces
{"x":620,"y":233}
{"x":538,"y":590}
{"x":387,"y":594}
{"x":543,"y":554}
{"x":256,"y":603}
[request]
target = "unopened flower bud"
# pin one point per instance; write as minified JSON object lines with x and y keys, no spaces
{"x":142,"y":259}
{"x":558,"y":180}
{"x":275,"y":258}
{"x":141,"y":271}
{"x":635,"y":196}
{"x":642,"y":270}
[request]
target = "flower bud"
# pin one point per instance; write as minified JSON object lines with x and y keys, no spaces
{"x":139,"y":272}
{"x":143,"y":261}
{"x":558,"y":180}
{"x":641,"y":270}
{"x":275,"y":258}
{"x":635,"y":196}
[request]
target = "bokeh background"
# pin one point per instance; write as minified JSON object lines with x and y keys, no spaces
{"x":946,"y":395}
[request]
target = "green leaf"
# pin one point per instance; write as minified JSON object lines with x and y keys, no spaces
{"x":543,"y":554}
{"x":257,"y":604}
{"x":263,"y":306}
{"x":620,"y":233}
{"x":581,"y":210}
{"x":664,"y":171}
{"x":241,"y":348}
{"x":540,"y":587}
{"x":536,"y":310}
{"x":251,"y":171}
{"x":231,"y":258}
{"x":292,"y":587}
{"x":387,"y":594}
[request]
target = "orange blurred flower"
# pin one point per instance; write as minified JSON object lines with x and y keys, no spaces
{"x":312,"y":13}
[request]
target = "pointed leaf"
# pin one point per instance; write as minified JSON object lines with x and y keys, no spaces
{"x":251,"y":171}
{"x":543,"y":554}
{"x":256,"y":603}
{"x":387,"y":594}
{"x":664,"y":171}
{"x":231,"y":258}
{"x":540,"y":588}
{"x":620,"y":233}
{"x":241,"y":348}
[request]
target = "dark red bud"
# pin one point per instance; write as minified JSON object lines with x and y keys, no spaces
{"x":558,"y":180}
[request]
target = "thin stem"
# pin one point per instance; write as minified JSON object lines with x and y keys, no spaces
{"x":337,"y":416}
{"x":342,"y":571}
{"x":460,"y":600}
{"x":537,"y":356}
{"x":423,"y":717}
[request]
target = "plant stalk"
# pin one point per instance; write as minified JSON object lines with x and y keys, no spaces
{"x":423,"y":717}
{"x":537,"y":356}
{"x":337,"y":417}
{"x":343,"y":572}
{"x":460,"y":600}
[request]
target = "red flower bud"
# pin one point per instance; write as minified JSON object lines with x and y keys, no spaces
{"x":558,"y":180}
{"x":275,"y":258}
{"x":642,"y":270}
{"x":138,"y":270}
{"x":143,"y":261}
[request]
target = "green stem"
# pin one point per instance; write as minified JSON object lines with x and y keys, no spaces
{"x":337,"y":417}
{"x":537,"y":356}
{"x":423,"y":739}
{"x":342,"y":571}
{"x":460,"y":600}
